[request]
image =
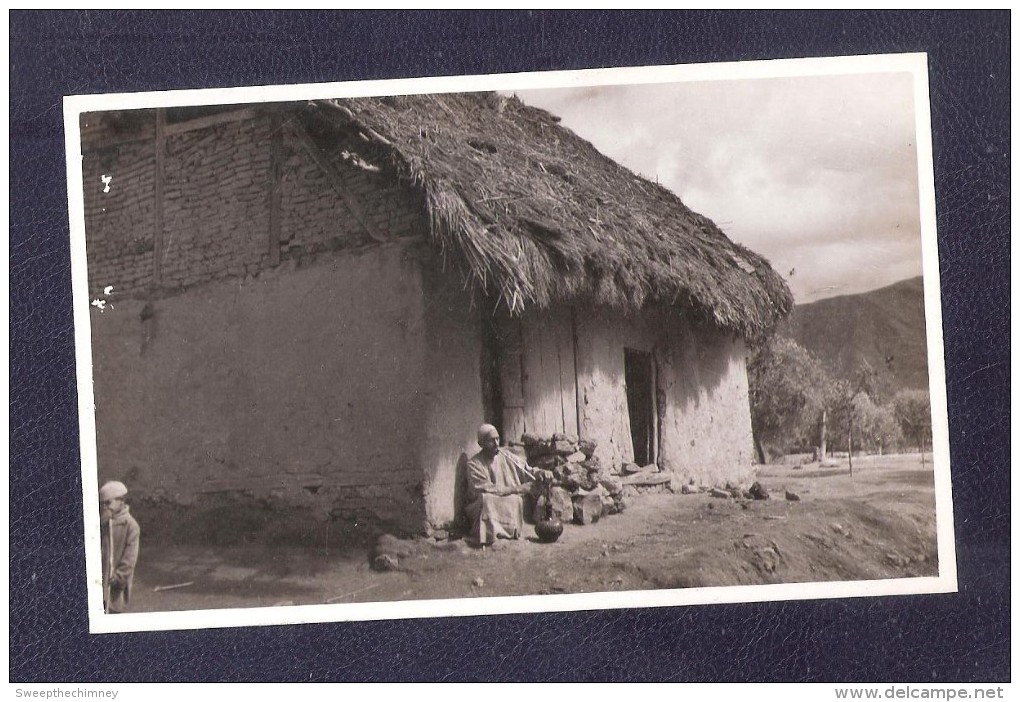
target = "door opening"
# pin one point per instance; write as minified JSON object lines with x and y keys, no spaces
{"x":492,"y":395}
{"x":639,"y":378}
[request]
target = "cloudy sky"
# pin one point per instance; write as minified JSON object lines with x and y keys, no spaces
{"x":817,"y":174}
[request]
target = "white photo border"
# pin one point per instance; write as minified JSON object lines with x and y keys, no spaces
{"x":915,"y":64}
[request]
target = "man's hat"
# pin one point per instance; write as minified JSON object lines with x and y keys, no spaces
{"x":112,"y":490}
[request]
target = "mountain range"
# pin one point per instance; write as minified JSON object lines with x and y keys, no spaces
{"x":884,"y":327}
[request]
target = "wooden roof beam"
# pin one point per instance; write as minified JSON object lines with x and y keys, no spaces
{"x":338,"y":180}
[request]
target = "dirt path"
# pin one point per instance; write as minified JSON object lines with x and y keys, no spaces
{"x":878,"y":524}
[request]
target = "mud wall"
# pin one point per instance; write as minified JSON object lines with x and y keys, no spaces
{"x":303,"y":387}
{"x":602,"y":336}
{"x":452,"y":391}
{"x":704,"y":423}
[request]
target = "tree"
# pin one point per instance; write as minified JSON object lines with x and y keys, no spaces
{"x":913,"y":411}
{"x":787,"y":390}
{"x":877,"y":425}
{"x":840,"y":399}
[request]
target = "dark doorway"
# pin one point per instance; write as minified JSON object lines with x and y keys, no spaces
{"x":638,"y":374}
{"x":492,"y":400}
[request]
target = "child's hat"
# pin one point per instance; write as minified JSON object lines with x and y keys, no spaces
{"x":112,"y":490}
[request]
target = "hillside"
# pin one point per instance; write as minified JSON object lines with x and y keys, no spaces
{"x":884,"y":327}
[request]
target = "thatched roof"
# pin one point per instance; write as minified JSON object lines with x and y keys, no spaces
{"x":534,"y":214}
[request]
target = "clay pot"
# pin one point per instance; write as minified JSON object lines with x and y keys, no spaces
{"x":548,"y":530}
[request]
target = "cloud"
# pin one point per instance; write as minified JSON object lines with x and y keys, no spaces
{"x":815,"y":173}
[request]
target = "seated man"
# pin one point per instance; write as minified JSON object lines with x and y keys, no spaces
{"x":496,"y":481}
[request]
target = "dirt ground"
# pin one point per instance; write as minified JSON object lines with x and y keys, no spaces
{"x":880,"y":523}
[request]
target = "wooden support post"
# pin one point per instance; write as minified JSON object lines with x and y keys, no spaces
{"x":157,"y":209}
{"x":275,"y":168}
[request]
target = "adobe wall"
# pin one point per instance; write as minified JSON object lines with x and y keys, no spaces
{"x":705,"y":427}
{"x":701,"y":387}
{"x":602,"y":335}
{"x":302,"y":387}
{"x":453,"y":391}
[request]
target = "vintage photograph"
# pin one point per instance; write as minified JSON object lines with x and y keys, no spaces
{"x":632,"y":337}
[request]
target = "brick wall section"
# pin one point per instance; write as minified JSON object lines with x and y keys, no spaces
{"x":315,"y":218}
{"x":215,"y":204}
{"x":119,"y":223}
{"x":216,"y":218}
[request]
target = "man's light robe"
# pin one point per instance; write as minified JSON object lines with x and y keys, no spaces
{"x":493,"y":515}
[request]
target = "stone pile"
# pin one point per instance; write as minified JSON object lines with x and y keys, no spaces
{"x":581,"y":489}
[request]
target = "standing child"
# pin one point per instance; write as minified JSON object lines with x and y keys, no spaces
{"x":120,"y":546}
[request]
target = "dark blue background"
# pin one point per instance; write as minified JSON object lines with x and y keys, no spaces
{"x":958,"y":637}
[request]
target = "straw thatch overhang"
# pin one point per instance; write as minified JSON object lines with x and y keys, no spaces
{"x":533,"y":214}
